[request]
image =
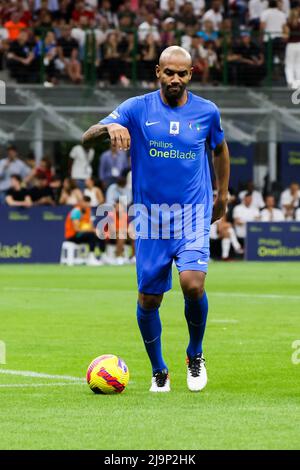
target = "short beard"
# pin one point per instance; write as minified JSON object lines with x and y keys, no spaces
{"x":173,"y":98}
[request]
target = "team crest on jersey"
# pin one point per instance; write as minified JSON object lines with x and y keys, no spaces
{"x":174,"y":127}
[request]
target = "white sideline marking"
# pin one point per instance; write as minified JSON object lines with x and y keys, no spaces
{"x":253,"y":294}
{"x":57,"y":384}
{"x":29,"y":373}
{"x":218,"y":294}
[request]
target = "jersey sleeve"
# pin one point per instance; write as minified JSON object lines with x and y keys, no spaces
{"x":123,"y":114}
{"x":216,"y":134}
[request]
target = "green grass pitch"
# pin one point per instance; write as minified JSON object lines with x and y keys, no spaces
{"x":55,"y":320}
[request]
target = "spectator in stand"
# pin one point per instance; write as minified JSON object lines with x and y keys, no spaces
{"x":257,"y":199}
{"x":68,"y":52}
{"x":119,"y":190}
{"x":111,"y":165}
{"x":292,"y":52}
{"x":214,"y":14}
{"x":106,"y":12}
{"x":41,"y":194}
{"x":186,"y":38}
{"x":199,"y":58}
{"x":272,"y":24}
{"x":81,"y":160}
{"x":82,"y":31}
{"x":52,"y":5}
{"x":112,"y":58}
{"x":79,"y":229}
{"x":93,"y":192}
{"x":168,"y":33}
{"x":187,"y":15}
{"x":207,"y":32}
{"x":81,"y":9}
{"x":11,"y":165}
{"x":17,"y":196}
{"x":149,"y":26}
{"x":256,"y":7}
{"x":170,"y":8}
{"x":271,"y":213}
{"x":127,"y":49}
{"x":243,"y":213}
{"x":297,"y":214}
{"x":126,"y":23}
{"x":43,"y":169}
{"x":148,"y":59}
{"x":21,"y":59}
{"x":290,"y":200}
{"x":70,"y":193}
{"x":14,"y":26}
{"x":251,"y":61}
{"x":44,"y":23}
{"x":46,"y":51}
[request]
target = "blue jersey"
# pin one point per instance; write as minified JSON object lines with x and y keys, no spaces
{"x":168,"y":149}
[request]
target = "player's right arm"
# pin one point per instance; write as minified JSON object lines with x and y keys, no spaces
{"x":119,"y":135}
{"x":117,"y":126}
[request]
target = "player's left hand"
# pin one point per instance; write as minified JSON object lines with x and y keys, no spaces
{"x":219,"y":208}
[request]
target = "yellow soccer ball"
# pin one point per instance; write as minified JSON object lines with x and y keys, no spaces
{"x":107,"y":374}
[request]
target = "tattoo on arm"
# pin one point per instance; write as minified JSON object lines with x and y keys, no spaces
{"x":94,"y":132}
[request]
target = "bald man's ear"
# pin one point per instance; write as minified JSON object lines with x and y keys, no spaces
{"x":191,"y":72}
{"x":157,"y":71}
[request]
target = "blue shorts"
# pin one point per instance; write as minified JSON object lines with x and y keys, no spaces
{"x":154,"y":259}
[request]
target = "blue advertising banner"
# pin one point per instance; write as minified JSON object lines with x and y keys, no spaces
{"x":290,"y":164}
{"x":267,"y":241}
{"x":241,"y":164}
{"x":32,"y":235}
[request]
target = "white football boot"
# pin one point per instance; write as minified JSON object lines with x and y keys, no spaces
{"x":160,"y":382}
{"x":196,"y":373}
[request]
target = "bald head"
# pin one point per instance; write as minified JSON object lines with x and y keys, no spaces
{"x":175,"y":54}
{"x":174,"y":72}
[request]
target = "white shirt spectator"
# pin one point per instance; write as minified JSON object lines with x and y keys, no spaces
{"x":285,"y":7}
{"x":164,"y":5}
{"x":116,"y":192}
{"x":286,"y":198}
{"x":297,"y":215}
{"x":244,"y":214}
{"x":257,"y":199}
{"x":81,"y":168}
{"x":80,"y":35}
{"x":215,"y":17}
{"x":274,"y":20}
{"x":273,"y":215}
{"x":256,"y":7}
{"x":146,"y":28}
{"x":11,"y":167}
{"x":186,"y":41}
{"x":198,"y":5}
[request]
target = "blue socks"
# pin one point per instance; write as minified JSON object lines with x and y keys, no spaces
{"x":150,"y":326}
{"x":196,"y":315}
